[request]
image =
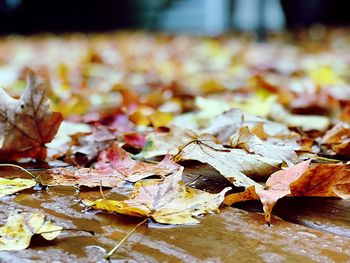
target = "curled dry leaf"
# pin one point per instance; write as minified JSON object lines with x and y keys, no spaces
{"x":323,"y":180}
{"x":278,"y":150}
{"x":338,"y":139}
{"x":114,"y":168}
{"x":235,"y":164}
{"x":20,"y":227}
{"x":27,"y":123}
{"x":168,"y":201}
{"x":11,"y":186}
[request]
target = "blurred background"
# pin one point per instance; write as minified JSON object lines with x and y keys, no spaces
{"x":204,"y":17}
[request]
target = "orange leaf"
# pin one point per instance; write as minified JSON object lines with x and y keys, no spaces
{"x":324,"y":180}
{"x":277,"y":186}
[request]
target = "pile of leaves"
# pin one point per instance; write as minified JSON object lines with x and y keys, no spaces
{"x":138,"y":109}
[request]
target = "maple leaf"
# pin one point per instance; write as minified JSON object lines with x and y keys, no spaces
{"x":11,"y":186}
{"x":234,"y":164}
{"x":27,"y":123}
{"x":114,"y":168}
{"x":323,"y":180}
{"x":248,"y":141}
{"x":20,"y":227}
{"x":168,"y":201}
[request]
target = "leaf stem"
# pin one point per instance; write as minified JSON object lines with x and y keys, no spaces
{"x":327,"y":159}
{"x":111,"y":252}
{"x":68,"y":229}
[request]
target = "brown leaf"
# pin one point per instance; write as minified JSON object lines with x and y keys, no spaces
{"x":27,"y":123}
{"x":325,"y":180}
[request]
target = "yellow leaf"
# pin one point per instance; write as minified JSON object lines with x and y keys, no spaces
{"x":325,"y":76}
{"x":20,"y":227}
{"x":11,"y":186}
{"x":167,"y":201}
{"x":160,"y":119}
{"x":260,"y":104}
{"x":114,"y":206}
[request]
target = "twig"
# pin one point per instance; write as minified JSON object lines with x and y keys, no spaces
{"x":111,"y":252}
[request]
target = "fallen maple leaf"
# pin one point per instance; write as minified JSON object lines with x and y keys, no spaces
{"x":323,"y":180}
{"x":277,"y":186}
{"x":11,"y":186}
{"x":20,"y":227}
{"x":168,"y":201}
{"x":248,"y":141}
{"x":114,"y":168}
{"x":235,"y":164}
{"x":27,"y":124}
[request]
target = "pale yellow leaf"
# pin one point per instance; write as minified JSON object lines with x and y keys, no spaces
{"x":20,"y":227}
{"x":11,"y":186}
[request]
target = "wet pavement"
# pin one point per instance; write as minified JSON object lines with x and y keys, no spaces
{"x":312,"y":230}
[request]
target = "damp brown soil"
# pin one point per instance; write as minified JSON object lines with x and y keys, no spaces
{"x":304,"y":230}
